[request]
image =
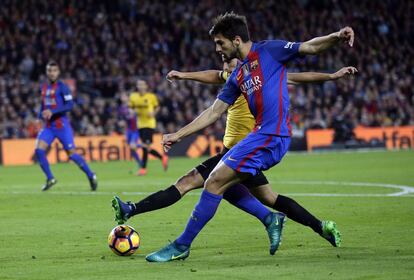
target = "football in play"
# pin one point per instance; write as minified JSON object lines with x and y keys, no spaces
{"x":124,"y":240}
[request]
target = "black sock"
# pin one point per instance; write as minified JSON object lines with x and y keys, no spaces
{"x":155,"y":153}
{"x":157,"y":200}
{"x":297,"y":213}
{"x":144,"y":157}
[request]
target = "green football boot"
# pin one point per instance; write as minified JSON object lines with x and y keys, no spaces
{"x":331,"y":233}
{"x":171,"y":252}
{"x":123,"y":210}
{"x":274,"y":231}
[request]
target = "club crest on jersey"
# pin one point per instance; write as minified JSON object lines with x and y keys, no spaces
{"x":254,"y":64}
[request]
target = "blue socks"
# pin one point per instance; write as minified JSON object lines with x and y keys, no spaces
{"x":202,"y":213}
{"x":239,"y":196}
{"x":82,"y":164}
{"x":135,"y":156}
{"x":44,"y":164}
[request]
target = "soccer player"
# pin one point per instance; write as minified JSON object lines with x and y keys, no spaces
{"x":56,"y":102}
{"x":239,"y":123}
{"x":146,"y":105}
{"x":261,"y":78}
{"x":132,"y":135}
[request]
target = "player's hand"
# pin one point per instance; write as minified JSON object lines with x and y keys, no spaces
{"x":347,"y":35}
{"x":168,"y":140}
{"x":47,"y":114}
{"x":344,"y":71}
{"x":150,"y":114}
{"x":174,"y":75}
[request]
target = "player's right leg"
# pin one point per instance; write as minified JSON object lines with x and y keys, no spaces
{"x":192,"y":180}
{"x":44,"y":139}
{"x":161,"y":199}
{"x":65,"y":136}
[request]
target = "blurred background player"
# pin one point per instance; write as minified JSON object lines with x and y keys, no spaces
{"x":146,"y":106}
{"x":129,"y":116}
{"x":56,"y":102}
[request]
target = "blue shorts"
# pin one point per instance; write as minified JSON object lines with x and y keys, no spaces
{"x":132,"y":137}
{"x":65,"y":136}
{"x":257,"y":152}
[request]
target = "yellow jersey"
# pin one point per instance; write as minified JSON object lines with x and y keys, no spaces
{"x":240,"y":122}
{"x":144,"y":104}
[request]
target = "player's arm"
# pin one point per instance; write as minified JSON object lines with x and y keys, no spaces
{"x":207,"y":117}
{"x":67,"y":105}
{"x":315,"y":77}
{"x":320,"y":44}
{"x":206,"y":77}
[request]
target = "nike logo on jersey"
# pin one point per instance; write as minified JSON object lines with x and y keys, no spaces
{"x":231,"y":159}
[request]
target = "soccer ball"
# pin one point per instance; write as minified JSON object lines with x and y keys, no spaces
{"x":124,"y":240}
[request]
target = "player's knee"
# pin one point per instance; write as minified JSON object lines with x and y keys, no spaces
{"x":192,"y":180}
{"x":41,"y":145}
{"x":213,"y":182}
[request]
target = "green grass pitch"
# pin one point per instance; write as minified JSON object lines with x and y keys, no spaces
{"x":61,"y":234}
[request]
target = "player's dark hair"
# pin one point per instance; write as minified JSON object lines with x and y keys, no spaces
{"x":52,"y":63}
{"x":230,"y":25}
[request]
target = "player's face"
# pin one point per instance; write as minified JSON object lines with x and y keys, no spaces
{"x":142,"y":86}
{"x":52,"y":73}
{"x":225,"y":47}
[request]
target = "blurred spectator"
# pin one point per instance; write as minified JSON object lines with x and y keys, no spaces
{"x":106,"y":45}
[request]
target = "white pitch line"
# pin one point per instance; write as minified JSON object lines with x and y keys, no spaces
{"x":405,"y":191}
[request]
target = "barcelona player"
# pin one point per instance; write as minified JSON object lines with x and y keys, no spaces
{"x":56,"y":102}
{"x":146,"y":105}
{"x":239,"y":123}
{"x":261,"y":79}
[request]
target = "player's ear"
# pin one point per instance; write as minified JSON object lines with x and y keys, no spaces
{"x":237,"y":41}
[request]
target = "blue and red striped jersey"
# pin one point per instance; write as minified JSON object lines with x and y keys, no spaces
{"x":57,"y":98}
{"x":132,"y":120}
{"x":262,"y":78}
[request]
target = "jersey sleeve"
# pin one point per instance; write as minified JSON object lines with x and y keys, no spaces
{"x":67,"y":101}
{"x":230,"y":91}
{"x":282,"y":51}
{"x":66,"y":94}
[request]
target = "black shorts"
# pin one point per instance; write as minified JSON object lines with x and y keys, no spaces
{"x":208,"y":165}
{"x":146,"y":135}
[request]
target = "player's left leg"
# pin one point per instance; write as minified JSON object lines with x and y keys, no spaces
{"x":219,"y":180}
{"x":132,"y":141}
{"x":296,"y":212}
{"x":65,"y":137}
{"x":259,"y":186}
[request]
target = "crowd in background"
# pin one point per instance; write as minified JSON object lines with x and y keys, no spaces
{"x":106,"y":45}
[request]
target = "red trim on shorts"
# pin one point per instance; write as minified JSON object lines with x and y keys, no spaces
{"x":254,"y":152}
